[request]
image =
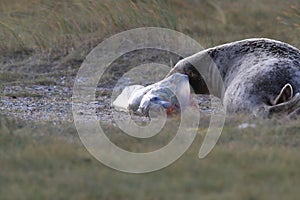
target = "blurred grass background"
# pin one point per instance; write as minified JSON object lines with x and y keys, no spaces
{"x":46,"y":161}
{"x":59,"y":28}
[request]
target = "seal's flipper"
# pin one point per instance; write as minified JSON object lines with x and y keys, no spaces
{"x":286,"y":94}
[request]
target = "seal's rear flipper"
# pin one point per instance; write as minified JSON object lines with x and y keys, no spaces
{"x":285,"y":108}
{"x":286,"y":94}
{"x":295,"y":114}
{"x":286,"y":103}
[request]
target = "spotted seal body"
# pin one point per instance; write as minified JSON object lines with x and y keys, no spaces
{"x":260,"y":76}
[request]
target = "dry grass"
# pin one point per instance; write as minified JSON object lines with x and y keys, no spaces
{"x":55,"y":26}
{"x":44,"y":161}
{"x":60,"y":28}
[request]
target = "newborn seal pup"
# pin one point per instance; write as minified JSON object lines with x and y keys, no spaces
{"x":260,"y":76}
{"x":172,"y":94}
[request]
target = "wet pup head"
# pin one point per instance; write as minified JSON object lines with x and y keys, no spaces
{"x":171,"y":94}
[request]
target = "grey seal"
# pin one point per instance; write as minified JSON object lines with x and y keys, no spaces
{"x":259,"y":76}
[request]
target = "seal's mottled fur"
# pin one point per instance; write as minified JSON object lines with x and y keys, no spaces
{"x":260,"y":76}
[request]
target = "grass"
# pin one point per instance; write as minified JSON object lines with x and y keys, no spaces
{"x":47,"y":161}
{"x":43,"y":161}
{"x":60,"y":27}
{"x":74,"y":27}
